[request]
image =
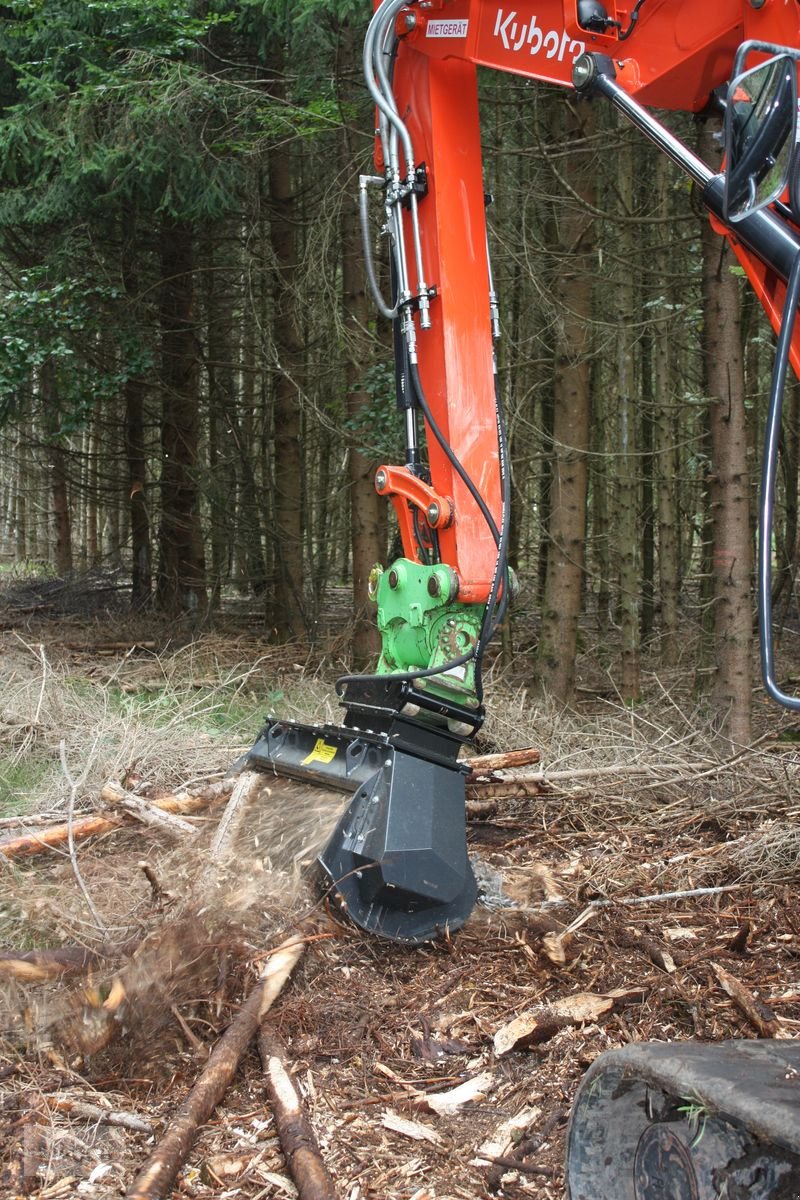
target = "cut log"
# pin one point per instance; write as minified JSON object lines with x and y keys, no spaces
{"x":157,"y":1175}
{"x":295,"y":1132}
{"x":29,"y":844}
{"x":481,"y":810}
{"x":504,"y":789}
{"x":149,"y":813}
{"x":482,"y":764}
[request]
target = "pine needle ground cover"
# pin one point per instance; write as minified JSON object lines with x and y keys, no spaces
{"x":637,"y":872}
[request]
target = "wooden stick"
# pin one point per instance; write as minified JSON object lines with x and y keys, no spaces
{"x":480,"y":764}
{"x":160,"y":1170}
{"x":92,"y":1112}
{"x":659,"y":897}
{"x":148,"y":813}
{"x":247,"y":783}
{"x":759,"y":1014}
{"x":503,"y":789}
{"x":295,"y":1132}
{"x":29,"y":844}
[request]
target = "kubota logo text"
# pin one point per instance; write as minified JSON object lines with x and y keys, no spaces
{"x":516,"y":35}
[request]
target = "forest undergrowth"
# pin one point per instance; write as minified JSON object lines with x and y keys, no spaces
{"x":643,"y":860}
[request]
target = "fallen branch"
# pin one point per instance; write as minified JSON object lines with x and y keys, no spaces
{"x":766,"y":1023}
{"x":148,"y":813}
{"x":160,"y":1170}
{"x":658,"y":897}
{"x":482,"y":764}
{"x":295,"y":1132}
{"x":93,"y":1112}
{"x":56,"y":836}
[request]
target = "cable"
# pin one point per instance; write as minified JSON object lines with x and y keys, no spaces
{"x":767,"y":502}
{"x":448,"y":451}
{"x":634,"y":18}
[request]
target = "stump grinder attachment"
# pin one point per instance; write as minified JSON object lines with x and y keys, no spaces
{"x":397,"y":861}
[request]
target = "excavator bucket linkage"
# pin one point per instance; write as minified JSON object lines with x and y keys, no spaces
{"x":397,"y":861}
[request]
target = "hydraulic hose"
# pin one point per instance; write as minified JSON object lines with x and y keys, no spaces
{"x":366,"y":245}
{"x":769,"y":468}
{"x":449,"y":454}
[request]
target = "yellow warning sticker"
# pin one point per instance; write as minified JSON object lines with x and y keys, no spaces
{"x":322,"y":752}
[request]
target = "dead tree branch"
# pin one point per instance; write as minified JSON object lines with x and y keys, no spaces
{"x":295,"y":1132}
{"x":159,"y":1172}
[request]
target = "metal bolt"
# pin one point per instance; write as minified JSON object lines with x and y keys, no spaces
{"x":757,"y":3}
{"x":381,"y":480}
{"x":410,"y":20}
{"x":433,"y":513}
{"x":434,"y":586}
{"x":394,"y":579}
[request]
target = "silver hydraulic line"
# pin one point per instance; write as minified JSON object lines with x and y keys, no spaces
{"x":399,"y":188}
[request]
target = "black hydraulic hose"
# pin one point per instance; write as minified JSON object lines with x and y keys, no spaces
{"x":622,"y":37}
{"x":767,"y":501}
{"x":498,"y":609}
{"x":448,"y":451}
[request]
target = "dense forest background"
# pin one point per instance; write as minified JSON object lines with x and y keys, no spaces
{"x":195,"y":389}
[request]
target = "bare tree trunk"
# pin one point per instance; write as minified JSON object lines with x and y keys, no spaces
{"x":567,"y":505}
{"x":221,"y":490}
{"x":365,"y":504}
{"x":141,"y":548}
{"x":666,"y":440}
{"x":729,"y":486}
{"x":181,"y":578}
{"x":136,"y":454}
{"x":288,"y":614}
{"x":250,"y":541}
{"x":57,"y":463}
{"x":627,"y":532}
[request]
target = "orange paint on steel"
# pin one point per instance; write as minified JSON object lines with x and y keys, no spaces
{"x":438,"y":100}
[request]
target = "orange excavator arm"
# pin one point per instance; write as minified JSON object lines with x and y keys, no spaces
{"x":665,"y":53}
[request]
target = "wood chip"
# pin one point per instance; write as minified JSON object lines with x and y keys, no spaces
{"x":539,"y":1025}
{"x":505,"y":1136}
{"x":583,"y":1006}
{"x":444,"y":1104}
{"x":766,"y":1023}
{"x":411,"y":1129}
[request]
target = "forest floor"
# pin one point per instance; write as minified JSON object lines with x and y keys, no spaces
{"x":636,"y":803}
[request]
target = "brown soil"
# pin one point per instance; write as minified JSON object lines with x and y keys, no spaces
{"x":370,"y":1027}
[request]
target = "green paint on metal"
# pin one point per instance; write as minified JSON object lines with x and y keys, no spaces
{"x":422,"y":625}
